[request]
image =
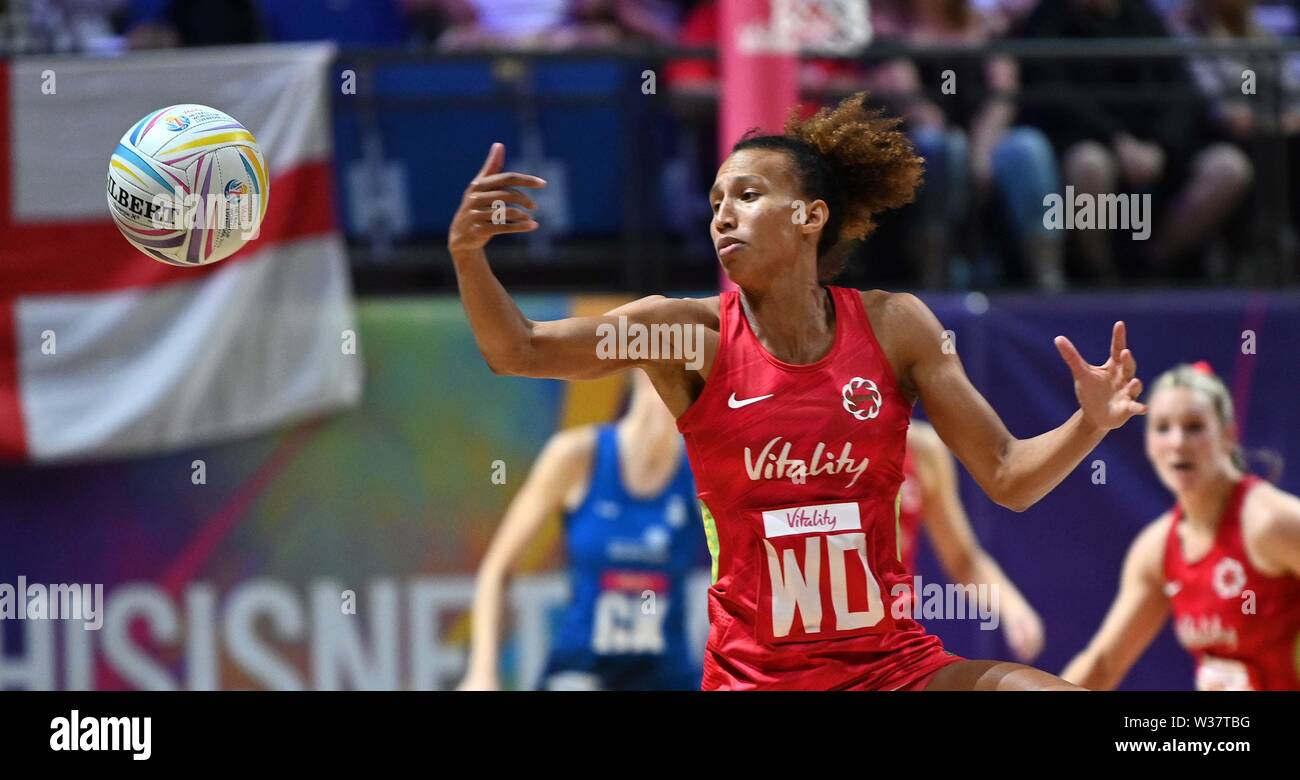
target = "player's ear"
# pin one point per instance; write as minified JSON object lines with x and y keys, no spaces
{"x":811,"y":216}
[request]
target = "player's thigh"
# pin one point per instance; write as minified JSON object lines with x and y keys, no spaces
{"x":995,"y":676}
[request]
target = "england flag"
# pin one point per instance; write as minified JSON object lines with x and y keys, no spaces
{"x":105,"y":352}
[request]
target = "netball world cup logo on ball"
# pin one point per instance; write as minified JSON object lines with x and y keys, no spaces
{"x":859,"y":393}
{"x":176,"y":123}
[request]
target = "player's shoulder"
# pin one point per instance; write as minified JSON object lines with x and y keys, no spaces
{"x":1271,"y":504}
{"x":1157,"y":528}
{"x":900,"y":312}
{"x":662,"y":308}
{"x":570,"y":446}
{"x":707,"y":307}
{"x":565,"y":463}
{"x":1148,"y":548}
{"x":906,"y":329}
{"x":1271,"y":516}
{"x":895,"y":302}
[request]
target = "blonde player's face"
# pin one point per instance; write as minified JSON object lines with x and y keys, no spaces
{"x":756,"y":210}
{"x":1185,"y":440}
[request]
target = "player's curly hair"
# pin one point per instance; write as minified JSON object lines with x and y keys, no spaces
{"x":853,"y":157}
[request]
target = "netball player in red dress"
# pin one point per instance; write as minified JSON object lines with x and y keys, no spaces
{"x":1224,"y":562}
{"x":795,"y":412}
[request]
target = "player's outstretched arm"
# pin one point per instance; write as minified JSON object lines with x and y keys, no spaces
{"x":1015,"y":473}
{"x":1134,"y":619}
{"x":563,"y":462}
{"x":573,"y":348}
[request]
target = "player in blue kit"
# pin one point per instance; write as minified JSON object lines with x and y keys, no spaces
{"x":632,"y":535}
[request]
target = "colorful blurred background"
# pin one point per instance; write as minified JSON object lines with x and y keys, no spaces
{"x":231,"y":450}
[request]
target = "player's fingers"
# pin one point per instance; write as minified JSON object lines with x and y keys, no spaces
{"x":1118,"y":340}
{"x":501,"y":216}
{"x":1134,"y":388}
{"x":1128,"y":363}
{"x":492,"y":228}
{"x":1071,"y":356}
{"x":1023,"y":642}
{"x":1136,"y":408}
{"x":496,"y":155}
{"x":500,"y":181}
{"x":487,"y":199}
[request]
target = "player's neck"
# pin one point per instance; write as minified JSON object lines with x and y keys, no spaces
{"x":796,"y":323}
{"x":1203,"y":507}
{"x":648,"y":435}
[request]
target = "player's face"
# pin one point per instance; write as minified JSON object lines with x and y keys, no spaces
{"x":1185,"y":440}
{"x":755,"y":228}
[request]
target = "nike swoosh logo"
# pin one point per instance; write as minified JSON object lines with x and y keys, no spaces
{"x":734,"y":404}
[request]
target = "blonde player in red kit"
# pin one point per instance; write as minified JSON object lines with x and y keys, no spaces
{"x":794,"y":400}
{"x":1224,"y":562}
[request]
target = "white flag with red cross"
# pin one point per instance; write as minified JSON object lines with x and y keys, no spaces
{"x":105,"y":352}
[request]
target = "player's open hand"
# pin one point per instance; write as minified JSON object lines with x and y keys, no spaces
{"x":1107,"y":393}
{"x":492,"y":205}
{"x":1024,"y":630}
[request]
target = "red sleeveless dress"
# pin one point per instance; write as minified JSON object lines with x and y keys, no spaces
{"x":1241,"y":626}
{"x":798,"y":470}
{"x":909,"y":513}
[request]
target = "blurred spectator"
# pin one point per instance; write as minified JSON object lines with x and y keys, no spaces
{"x":1174,"y":12}
{"x":699,"y":28}
{"x":1237,"y":113}
{"x":63,"y":25}
{"x":156,"y":24}
{"x":962,"y":117}
{"x":159,"y":23}
{"x":817,"y":76}
{"x":1156,"y":137}
{"x":348,"y":22}
{"x":557,"y":24}
{"x":1277,"y":17}
{"x":694,"y":86}
{"x":652,"y":20}
{"x":1005,"y":15}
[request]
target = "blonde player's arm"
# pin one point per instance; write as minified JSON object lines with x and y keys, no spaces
{"x":572,"y":348}
{"x":1015,"y":473}
{"x":960,"y":553}
{"x":561,"y":470}
{"x":1134,"y":619}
